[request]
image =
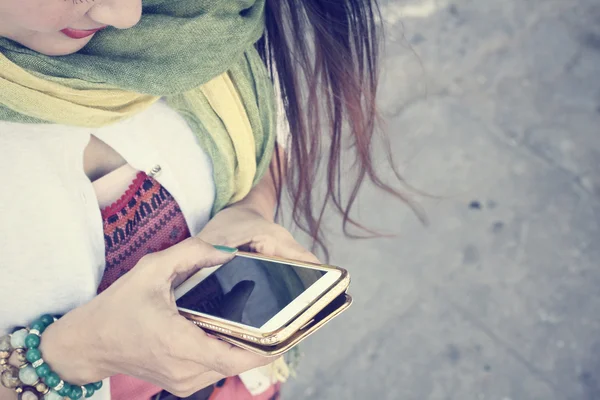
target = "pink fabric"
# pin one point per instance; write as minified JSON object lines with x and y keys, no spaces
{"x":124,"y":387}
{"x":234,"y":389}
{"x":127,"y":388}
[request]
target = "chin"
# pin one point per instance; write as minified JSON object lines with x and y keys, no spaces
{"x":56,"y":45}
{"x":60,"y":52}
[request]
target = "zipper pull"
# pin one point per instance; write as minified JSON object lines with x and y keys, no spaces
{"x":155,"y":171}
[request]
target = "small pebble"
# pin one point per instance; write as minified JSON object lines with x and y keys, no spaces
{"x":475,"y":205}
{"x":497,"y":226}
{"x":417,"y":38}
{"x":492,"y":204}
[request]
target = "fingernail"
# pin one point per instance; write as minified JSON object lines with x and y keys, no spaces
{"x":225,"y":249}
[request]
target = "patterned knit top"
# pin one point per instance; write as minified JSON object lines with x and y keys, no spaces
{"x":146,"y":219}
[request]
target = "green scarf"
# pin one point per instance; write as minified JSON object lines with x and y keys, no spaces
{"x":177,"y":47}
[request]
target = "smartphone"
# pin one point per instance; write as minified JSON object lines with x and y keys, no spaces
{"x":332,"y":310}
{"x":258,"y":298}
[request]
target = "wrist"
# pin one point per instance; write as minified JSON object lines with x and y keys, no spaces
{"x":70,"y":350}
{"x":259,"y":209}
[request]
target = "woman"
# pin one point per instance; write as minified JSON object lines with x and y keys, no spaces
{"x":130,"y":138}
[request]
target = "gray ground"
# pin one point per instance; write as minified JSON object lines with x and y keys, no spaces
{"x":499,"y":297}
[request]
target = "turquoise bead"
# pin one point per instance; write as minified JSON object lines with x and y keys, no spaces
{"x":66,"y":390}
{"x":52,"y":379}
{"x":76,"y":393}
{"x":52,"y":395}
{"x":28,"y":376}
{"x":33,"y":355}
{"x":32,"y":341}
{"x":97,"y":385}
{"x":89,"y":390}
{"x":17,"y":339}
{"x":38,"y":325}
{"x":47,"y":319}
{"x":43,"y":370}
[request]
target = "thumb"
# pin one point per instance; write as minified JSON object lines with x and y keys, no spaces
{"x":295,"y":251}
{"x":179,"y":262}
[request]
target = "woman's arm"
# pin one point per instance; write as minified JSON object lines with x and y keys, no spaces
{"x":134,"y":328}
{"x":249,"y":224}
{"x":263,"y":198}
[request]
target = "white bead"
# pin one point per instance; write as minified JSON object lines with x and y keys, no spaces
{"x":28,"y":395}
{"x":28,"y":376}
{"x":52,"y":395}
{"x":34,"y":332}
{"x":17,"y":339}
{"x":37,"y":363}
{"x":60,"y":385}
{"x":84,"y":391}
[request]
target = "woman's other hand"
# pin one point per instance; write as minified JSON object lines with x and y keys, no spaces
{"x":134,"y":328}
{"x":242,"y":226}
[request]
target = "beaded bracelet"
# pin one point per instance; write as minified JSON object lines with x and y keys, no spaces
{"x":24,"y":370}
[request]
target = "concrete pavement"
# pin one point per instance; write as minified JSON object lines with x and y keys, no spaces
{"x":494,"y":106}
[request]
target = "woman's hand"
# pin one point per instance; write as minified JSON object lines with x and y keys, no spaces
{"x":242,"y":226}
{"x":134,"y":328}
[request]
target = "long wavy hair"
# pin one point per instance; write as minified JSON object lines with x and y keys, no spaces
{"x":324,"y":56}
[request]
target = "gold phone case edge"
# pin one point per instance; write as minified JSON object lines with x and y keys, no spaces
{"x":272,"y":351}
{"x":298,"y":321}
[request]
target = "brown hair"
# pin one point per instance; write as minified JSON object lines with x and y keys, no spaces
{"x":325,"y":54}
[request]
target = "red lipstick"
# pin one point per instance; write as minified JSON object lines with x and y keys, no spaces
{"x":79,"y":33}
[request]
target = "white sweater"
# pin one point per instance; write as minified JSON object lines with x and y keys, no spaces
{"x":51,"y":235}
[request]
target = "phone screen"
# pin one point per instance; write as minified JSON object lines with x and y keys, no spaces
{"x":249,"y":291}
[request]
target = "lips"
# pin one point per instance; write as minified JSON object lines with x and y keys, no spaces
{"x":79,"y":33}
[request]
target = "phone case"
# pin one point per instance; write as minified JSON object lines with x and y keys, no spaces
{"x":216,"y":325}
{"x":334,"y":309}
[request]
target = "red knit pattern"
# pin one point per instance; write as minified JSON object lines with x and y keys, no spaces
{"x":144,"y":220}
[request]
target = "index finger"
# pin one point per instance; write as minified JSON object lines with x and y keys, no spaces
{"x":213,"y":353}
{"x":293,"y":250}
{"x":228,"y":359}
